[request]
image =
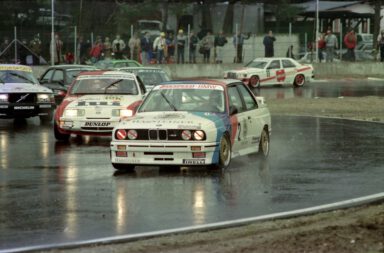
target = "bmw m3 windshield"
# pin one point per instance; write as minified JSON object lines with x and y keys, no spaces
{"x":192,"y":98}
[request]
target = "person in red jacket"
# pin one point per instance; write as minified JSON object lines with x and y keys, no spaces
{"x":350,"y":42}
{"x":97,"y":50}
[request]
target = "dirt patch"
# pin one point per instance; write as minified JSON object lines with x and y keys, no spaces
{"x":358,"y":229}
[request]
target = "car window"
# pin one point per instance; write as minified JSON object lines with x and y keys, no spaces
{"x":104,"y":86}
{"x":275,"y":64}
{"x":249,"y":100}
{"x":120,"y":65}
{"x":235,"y":99}
{"x":132,"y":64}
{"x":47,"y":76}
{"x":257,"y":64}
{"x":58,"y":75}
{"x":288,"y":64}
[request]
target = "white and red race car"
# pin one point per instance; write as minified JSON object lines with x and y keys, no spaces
{"x":270,"y":71}
{"x":96,"y":101}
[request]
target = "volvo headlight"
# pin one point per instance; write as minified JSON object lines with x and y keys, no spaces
{"x":74,"y":112}
{"x":44,"y":98}
{"x":4,"y":98}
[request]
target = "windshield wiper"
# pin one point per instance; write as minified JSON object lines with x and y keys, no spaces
{"x":21,"y":77}
{"x":169,"y":102}
{"x":112,"y":84}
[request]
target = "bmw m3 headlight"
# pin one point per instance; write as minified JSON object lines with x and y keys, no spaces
{"x":41,"y":98}
{"x":74,"y":112}
{"x":198,"y":135}
{"x":4,"y":98}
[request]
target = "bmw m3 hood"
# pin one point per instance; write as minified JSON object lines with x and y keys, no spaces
{"x":23,"y":88}
{"x":176,"y":120}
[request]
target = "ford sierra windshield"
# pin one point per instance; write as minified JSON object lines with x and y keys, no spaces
{"x":102,"y":85}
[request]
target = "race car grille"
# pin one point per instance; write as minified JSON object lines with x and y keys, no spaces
{"x":159,"y":134}
{"x":231,"y":75}
{"x":22,"y":98}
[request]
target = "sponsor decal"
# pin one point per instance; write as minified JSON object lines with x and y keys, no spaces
{"x":194,"y":161}
{"x":19,"y":68}
{"x":126,"y":160}
{"x":83,"y":77}
{"x":190,"y":86}
{"x":3,"y":106}
{"x":97,"y":124}
{"x":24,"y":107}
{"x":170,"y":116}
{"x":45,"y":106}
{"x":189,"y":127}
{"x":280,"y":75}
{"x":114,"y":98}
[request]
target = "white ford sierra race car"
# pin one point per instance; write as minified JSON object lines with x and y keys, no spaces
{"x":96,"y":102}
{"x":21,"y":95}
{"x":269,"y":71}
{"x":190,"y":123}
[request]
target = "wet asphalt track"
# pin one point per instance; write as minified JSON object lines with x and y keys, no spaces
{"x":54,"y":193}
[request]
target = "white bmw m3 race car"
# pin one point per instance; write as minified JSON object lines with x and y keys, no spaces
{"x":193,"y":123}
{"x":96,"y":102}
{"x":270,"y":71}
{"x":21,"y":95}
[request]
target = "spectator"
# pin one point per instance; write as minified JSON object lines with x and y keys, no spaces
{"x":380,"y":45}
{"x":57,"y":48}
{"x":134,"y":45}
{"x":170,"y":48}
{"x":290,"y":52}
{"x":35,"y":46}
{"x":205,"y":46}
{"x":69,"y":58}
{"x":159,"y":46}
{"x":321,"y":47}
{"x":5,"y":52}
{"x":96,"y":51}
{"x":350,"y":42}
{"x":268,"y":42}
{"x":107,"y":48}
{"x":330,"y":45}
{"x":181,"y":41}
{"x":238,"y":41}
{"x":145,"y":44}
{"x":193,"y":40}
{"x":118,"y":46}
{"x":220,"y":41}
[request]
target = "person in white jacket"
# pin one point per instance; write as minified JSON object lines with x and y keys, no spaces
{"x":160,"y":47}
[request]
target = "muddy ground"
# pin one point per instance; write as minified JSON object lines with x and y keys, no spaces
{"x":359,"y":229}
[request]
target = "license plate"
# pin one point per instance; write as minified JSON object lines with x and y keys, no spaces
{"x":194,"y":161}
{"x":24,"y":107}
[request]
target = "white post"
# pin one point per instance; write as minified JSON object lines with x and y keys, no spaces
{"x":236,"y":42}
{"x":317,"y":31}
{"x":188,"y":41}
{"x":341,"y":40}
{"x":131,"y":49}
{"x":52,"y":32}
{"x":75,"y":46}
{"x":15,"y":35}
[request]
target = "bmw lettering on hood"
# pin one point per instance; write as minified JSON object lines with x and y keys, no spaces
{"x":21,"y":95}
{"x":193,"y":123}
{"x":96,"y":102}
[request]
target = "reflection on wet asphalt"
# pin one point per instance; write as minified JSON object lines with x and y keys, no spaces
{"x":324,"y":88}
{"x":54,"y":192}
